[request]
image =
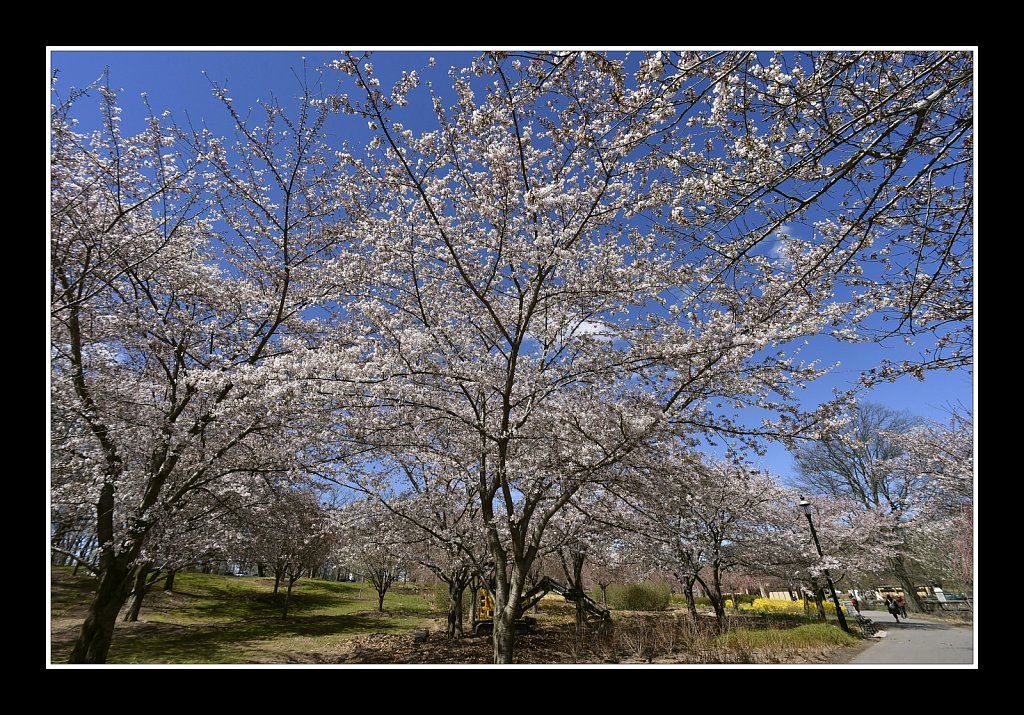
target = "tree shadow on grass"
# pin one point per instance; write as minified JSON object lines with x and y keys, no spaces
{"x":236,"y":606}
{"x":236,"y":642}
{"x":232,"y":621}
{"x":69,"y":595}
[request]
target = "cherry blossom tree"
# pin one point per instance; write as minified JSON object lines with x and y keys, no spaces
{"x":704,"y":517}
{"x":583,"y":249}
{"x":181,"y":267}
{"x":296,"y":534}
{"x":431,"y":495}
{"x":608,"y":562}
{"x":720,"y":524}
{"x":374,"y":544}
{"x":585,"y":539}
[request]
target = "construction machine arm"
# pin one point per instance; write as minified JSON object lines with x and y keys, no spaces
{"x":548,"y":585}
{"x":543,"y":587}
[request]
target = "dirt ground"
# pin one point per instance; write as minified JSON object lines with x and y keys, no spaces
{"x":546,"y":644}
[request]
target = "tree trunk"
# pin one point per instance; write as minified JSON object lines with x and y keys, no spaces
{"x":507,"y":595}
{"x":288,"y":596}
{"x":380,"y":600}
{"x":819,"y":600}
{"x":579,"y":556}
{"x":717,"y":600}
{"x":718,"y":603}
{"x":138,"y":593}
{"x":98,"y":629}
{"x":261,"y":569}
{"x":910,"y":592}
{"x":581,"y":612}
{"x":573,"y":570}
{"x":456,"y":589}
{"x":169,"y":582}
{"x":691,"y":604}
{"x":504,"y":635}
{"x":604,"y":592}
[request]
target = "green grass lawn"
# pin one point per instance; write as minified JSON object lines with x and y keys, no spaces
{"x":228,"y":619}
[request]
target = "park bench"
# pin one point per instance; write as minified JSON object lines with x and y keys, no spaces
{"x":866,"y":624}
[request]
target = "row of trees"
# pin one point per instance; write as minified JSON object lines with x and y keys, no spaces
{"x":669,"y":512}
{"x":539,"y":300}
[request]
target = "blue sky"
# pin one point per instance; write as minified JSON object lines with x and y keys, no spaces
{"x":175,"y":81}
{"x":180,"y":80}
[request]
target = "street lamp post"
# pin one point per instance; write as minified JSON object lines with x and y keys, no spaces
{"x":806,"y":506}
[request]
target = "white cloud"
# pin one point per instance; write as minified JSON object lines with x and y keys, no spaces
{"x":599,"y":331}
{"x":783,"y":232}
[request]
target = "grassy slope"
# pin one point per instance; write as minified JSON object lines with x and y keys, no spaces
{"x":227,"y":619}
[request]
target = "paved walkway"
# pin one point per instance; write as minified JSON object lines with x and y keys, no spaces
{"x":916,"y":640}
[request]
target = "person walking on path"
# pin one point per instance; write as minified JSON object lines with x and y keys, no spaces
{"x":890,"y":605}
{"x":856,"y":603}
{"x":901,"y":604}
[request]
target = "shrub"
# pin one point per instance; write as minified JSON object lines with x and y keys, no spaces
{"x":644,"y":596}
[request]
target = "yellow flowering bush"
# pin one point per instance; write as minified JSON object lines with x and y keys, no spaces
{"x":775,"y":605}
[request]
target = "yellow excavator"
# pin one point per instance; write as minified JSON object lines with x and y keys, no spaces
{"x":596,"y":616}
